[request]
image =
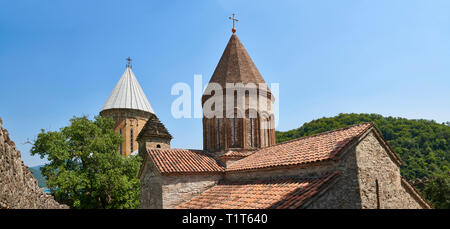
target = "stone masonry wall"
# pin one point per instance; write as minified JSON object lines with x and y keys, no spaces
{"x":361,"y":167}
{"x":179,"y":189}
{"x":344,"y":194}
{"x":369,"y":179}
{"x":151,"y":187}
{"x":167,"y":192}
{"x":310,"y":171}
{"x":18,"y":188}
{"x":375,"y":166}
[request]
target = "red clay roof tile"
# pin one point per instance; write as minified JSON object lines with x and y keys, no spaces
{"x":280,"y":193}
{"x":183,"y":161}
{"x":302,"y":150}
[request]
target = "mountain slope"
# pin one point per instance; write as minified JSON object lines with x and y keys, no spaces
{"x":36,"y":170}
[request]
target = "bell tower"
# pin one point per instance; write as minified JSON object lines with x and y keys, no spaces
{"x":237,"y":104}
{"x":134,"y":116}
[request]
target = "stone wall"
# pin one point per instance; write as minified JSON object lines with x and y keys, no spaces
{"x":379,"y":177}
{"x":167,"y":192}
{"x":178,"y":189}
{"x":316,"y":170}
{"x":344,"y":193}
{"x":18,"y":188}
{"x":257,"y":105}
{"x":151,"y":186}
{"x":369,"y":179}
{"x":157,"y":143}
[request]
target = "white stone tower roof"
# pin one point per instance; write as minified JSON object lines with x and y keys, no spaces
{"x":128,"y":94}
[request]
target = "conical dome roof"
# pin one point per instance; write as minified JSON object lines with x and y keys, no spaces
{"x":236,"y":66}
{"x":128,"y":94}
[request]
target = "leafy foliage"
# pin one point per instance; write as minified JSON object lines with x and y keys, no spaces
{"x":437,"y":191}
{"x":423,"y":146}
{"x":85,"y":170}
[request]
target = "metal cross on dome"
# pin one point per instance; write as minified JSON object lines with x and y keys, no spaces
{"x":128,"y":61}
{"x":234,"y":20}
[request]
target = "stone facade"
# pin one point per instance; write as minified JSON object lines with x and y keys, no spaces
{"x":379,"y":177}
{"x":237,"y":104}
{"x":18,"y":187}
{"x":241,"y":136}
{"x":154,"y":135}
{"x":151,"y":186}
{"x":128,"y":123}
{"x":370,"y":179}
{"x":167,"y":192}
{"x":179,"y":189}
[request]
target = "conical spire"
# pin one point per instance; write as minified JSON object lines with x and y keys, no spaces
{"x":128,"y":94}
{"x":154,"y":128}
{"x":236,"y":66}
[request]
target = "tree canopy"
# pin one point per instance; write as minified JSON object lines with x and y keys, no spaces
{"x":423,"y":145}
{"x":85,"y":170}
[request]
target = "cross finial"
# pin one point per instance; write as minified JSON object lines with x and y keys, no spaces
{"x":234,"y":20}
{"x":128,"y":62}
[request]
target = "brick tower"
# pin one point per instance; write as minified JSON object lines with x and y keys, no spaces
{"x":130,"y":109}
{"x":239,"y":117}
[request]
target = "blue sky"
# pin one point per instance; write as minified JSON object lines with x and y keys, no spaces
{"x":60,"y":59}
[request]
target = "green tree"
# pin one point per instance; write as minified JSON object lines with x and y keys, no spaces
{"x":437,"y":191}
{"x":85,"y":170}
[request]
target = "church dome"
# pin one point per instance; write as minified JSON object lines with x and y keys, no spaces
{"x":128,"y":94}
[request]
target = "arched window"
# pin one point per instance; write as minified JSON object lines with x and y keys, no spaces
{"x":218,"y":133}
{"x":208,"y":134}
{"x":234,"y":131}
{"x":158,"y":146}
{"x":252,"y":132}
{"x":131,"y":140}
{"x":120,"y":143}
{"x":265,"y":132}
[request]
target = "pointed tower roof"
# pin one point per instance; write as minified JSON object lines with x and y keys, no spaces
{"x":154,"y":128}
{"x":128,"y":94}
{"x":236,"y":66}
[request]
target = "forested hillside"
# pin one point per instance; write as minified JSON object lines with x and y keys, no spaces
{"x":36,"y":170}
{"x":423,"y":146}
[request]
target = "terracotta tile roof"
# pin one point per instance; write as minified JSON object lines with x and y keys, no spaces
{"x":279,"y":194}
{"x":235,"y":66}
{"x":235,"y":154}
{"x":183,"y":161}
{"x":154,"y":128}
{"x":309,"y":149}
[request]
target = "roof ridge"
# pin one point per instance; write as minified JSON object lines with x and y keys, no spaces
{"x":319,"y":134}
{"x":182,"y":161}
{"x":176,"y":149}
{"x":291,"y":155}
{"x":287,"y":178}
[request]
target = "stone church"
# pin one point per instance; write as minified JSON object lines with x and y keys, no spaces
{"x":242,"y":166}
